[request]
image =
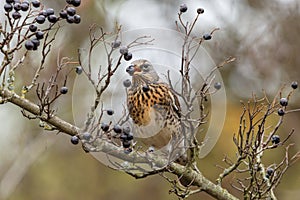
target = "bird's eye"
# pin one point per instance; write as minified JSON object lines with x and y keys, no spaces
{"x":145,"y":67}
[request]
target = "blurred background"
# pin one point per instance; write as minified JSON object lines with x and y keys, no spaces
{"x":262,"y":35}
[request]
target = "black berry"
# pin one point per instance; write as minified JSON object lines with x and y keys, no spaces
{"x":16,"y":15}
{"x":32,"y":27}
{"x":70,"y":19}
{"x":116,"y":44}
{"x":43,"y":12}
{"x":280,"y":112}
{"x":126,"y":144}
{"x":69,"y":1}
{"x":275,"y":139}
{"x":110,"y":112}
{"x":8,"y":7}
{"x":294,"y":85}
{"x":217,"y":85}
{"x":283,"y":101}
{"x":117,"y":128}
{"x":52,"y":18}
{"x":86,"y":136}
{"x":123,"y":137}
{"x":128,"y":56}
{"x":104,"y":127}
{"x":17,"y":6}
{"x":270,"y":171}
{"x":127,"y":83}
{"x":78,"y":70}
{"x":36,"y":3}
{"x":183,"y":8}
{"x":10,"y":1}
{"x":207,"y":36}
{"x":200,"y":10}
{"x":71,"y":11}
{"x":130,"y":136}
{"x":36,"y":43}
{"x":40,"y":19}
{"x":77,"y":19}
{"x":123,"y":50}
{"x":64,"y":90}
{"x":29,"y":45}
{"x":50,"y":11}
{"x":63,"y":14}
{"x":39,"y":35}
{"x":76,"y":3}
{"x":74,"y":140}
{"x":24,"y":6}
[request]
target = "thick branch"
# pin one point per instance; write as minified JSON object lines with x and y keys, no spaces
{"x":192,"y":176}
{"x":34,"y":109}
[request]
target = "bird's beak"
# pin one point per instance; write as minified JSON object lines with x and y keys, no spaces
{"x":132,"y":69}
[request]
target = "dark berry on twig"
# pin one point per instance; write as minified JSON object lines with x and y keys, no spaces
{"x":36,"y":42}
{"x":50,"y":11}
{"x":117,"y":129}
{"x":200,"y":10}
{"x":8,"y":7}
{"x":116,"y":44}
{"x":64,"y":90}
{"x":104,"y":127}
{"x":78,"y":70}
{"x":130,"y":136}
{"x":183,"y":8}
{"x":270,"y":171}
{"x":207,"y":36}
{"x":217,"y":85}
{"x":283,"y":101}
{"x":10,"y":1}
{"x":70,"y":19}
{"x":86,"y":136}
{"x":77,"y":19}
{"x":24,"y":6}
{"x":36,"y":3}
{"x":128,"y":56}
{"x":52,"y":18}
{"x":63,"y":14}
{"x":110,"y":112}
{"x":123,"y":50}
{"x":17,"y":6}
{"x":69,"y":1}
{"x":32,"y":27}
{"x":280,"y":112}
{"x":16,"y":15}
{"x":43,"y":12}
{"x":71,"y":11}
{"x":39,"y":35}
{"x":29,"y":45}
{"x":126,"y":144}
{"x":74,"y":139}
{"x":294,"y":85}
{"x":275,"y":139}
{"x":40,"y":19}
{"x":76,"y":3}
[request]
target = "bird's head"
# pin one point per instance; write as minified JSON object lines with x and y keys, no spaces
{"x":142,"y":72}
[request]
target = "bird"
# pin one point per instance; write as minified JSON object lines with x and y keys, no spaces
{"x":155,"y":111}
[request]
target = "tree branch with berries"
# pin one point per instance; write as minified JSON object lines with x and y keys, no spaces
{"x":31,"y":29}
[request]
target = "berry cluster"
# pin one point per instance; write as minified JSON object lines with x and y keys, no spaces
{"x":14,"y":9}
